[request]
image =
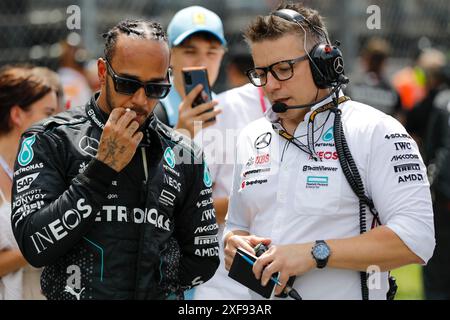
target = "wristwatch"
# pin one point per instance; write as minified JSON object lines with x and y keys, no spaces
{"x":321,"y":252}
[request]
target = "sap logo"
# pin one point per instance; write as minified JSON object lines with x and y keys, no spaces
{"x":402,"y":146}
{"x":313,"y":182}
{"x":204,"y":203}
{"x":405,"y":157}
{"x":167,"y":198}
{"x":25,"y":182}
{"x":208,"y":214}
{"x":397,"y":136}
{"x":262,"y":159}
{"x":327,"y":155}
{"x":407,"y":167}
{"x":206,"y":240}
{"x":172,"y":182}
{"x":208,"y":252}
{"x":410,"y":178}
{"x":59,"y":228}
{"x":203,"y":229}
{"x":29,"y":168}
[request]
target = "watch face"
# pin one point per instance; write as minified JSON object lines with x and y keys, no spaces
{"x":321,"y":251}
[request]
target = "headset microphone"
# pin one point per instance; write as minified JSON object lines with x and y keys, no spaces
{"x":280,"y":107}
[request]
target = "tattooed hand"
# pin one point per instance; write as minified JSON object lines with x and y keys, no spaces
{"x":119,"y":139}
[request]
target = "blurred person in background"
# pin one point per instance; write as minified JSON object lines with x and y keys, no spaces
{"x":432,"y":63}
{"x":239,"y":62}
{"x":372,"y":86}
{"x":55,"y":81}
{"x":410,"y":82}
{"x":25,"y":98}
{"x":196,"y":38}
{"x":72,"y":73}
{"x":429,"y":124}
{"x":92,"y":75}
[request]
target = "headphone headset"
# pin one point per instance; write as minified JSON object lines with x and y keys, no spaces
{"x":325,"y":60}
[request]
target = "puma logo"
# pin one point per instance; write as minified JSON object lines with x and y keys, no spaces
{"x":72,"y":292}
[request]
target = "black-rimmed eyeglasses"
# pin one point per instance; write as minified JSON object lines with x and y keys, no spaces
{"x":282,"y":71}
{"x":128,"y":86}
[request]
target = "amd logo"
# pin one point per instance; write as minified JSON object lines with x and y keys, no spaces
{"x":410,"y":178}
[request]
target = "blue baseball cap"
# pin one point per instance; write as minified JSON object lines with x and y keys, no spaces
{"x":192,"y":20}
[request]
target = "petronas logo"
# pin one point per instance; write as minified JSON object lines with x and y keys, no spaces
{"x":169,"y":156}
{"x":207,"y":177}
{"x":26,"y":153}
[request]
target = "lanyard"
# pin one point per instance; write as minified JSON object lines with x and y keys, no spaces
{"x":6,"y":168}
{"x":309,"y":149}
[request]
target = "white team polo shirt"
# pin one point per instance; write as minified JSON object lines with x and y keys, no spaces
{"x":279,"y":192}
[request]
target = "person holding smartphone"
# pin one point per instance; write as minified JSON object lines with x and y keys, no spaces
{"x":196,"y":39}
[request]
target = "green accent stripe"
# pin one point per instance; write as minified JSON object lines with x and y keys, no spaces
{"x":101,"y":254}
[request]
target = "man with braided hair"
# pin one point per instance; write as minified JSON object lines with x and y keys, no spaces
{"x":108,"y":199}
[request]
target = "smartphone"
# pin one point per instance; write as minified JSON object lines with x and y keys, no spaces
{"x":194,"y":76}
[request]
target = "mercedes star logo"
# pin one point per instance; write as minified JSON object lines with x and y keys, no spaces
{"x":89,"y":145}
{"x":339,"y":65}
{"x":263,"y":141}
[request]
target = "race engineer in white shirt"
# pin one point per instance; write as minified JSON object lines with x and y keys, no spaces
{"x":291,"y":194}
{"x":239,"y":106}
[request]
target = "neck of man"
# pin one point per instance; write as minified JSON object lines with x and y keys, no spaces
{"x":290,"y":125}
{"x":102,"y":103}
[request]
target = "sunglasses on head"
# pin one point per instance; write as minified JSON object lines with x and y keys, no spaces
{"x":128,"y":86}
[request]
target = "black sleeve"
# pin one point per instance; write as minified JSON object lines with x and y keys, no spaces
{"x":49,"y":213}
{"x":196,"y":231}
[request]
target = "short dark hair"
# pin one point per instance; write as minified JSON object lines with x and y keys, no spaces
{"x":271,"y":27}
{"x":19,"y":86}
{"x":141,"y":28}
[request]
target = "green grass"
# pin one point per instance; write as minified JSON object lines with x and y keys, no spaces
{"x":409,"y":281}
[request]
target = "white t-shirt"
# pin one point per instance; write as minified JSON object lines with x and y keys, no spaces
{"x":280,"y":192}
{"x":240,"y":106}
{"x":10,"y":284}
